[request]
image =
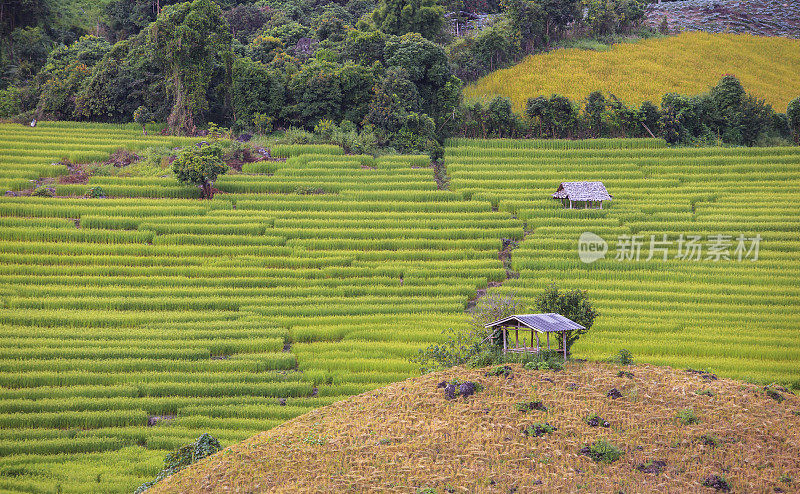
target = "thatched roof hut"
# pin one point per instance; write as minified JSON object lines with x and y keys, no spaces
{"x":591,"y":194}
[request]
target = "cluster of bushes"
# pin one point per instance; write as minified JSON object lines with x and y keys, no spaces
{"x":726,"y":114}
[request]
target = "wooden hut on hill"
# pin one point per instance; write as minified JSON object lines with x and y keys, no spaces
{"x":536,"y":324}
{"x":590,"y":194}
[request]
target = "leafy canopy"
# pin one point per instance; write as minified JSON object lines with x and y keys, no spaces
{"x":572,"y":304}
{"x":200,"y":166}
{"x":409,"y":16}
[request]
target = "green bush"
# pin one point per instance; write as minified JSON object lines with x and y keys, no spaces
{"x":96,"y":192}
{"x":572,"y":304}
{"x":687,"y":417}
{"x":538,"y":429}
{"x":10,"y":102}
{"x":623,"y":357}
{"x":475,"y":344}
{"x":206,"y":445}
{"x":44,"y":191}
{"x":200,"y":165}
{"x":602,"y":451}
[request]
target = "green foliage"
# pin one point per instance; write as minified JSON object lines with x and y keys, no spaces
{"x":64,"y":73}
{"x":602,"y":451}
{"x":501,"y":119}
{"x":142,"y":116}
{"x":623,"y":357}
{"x":200,"y":166}
{"x":289,"y":33}
{"x":488,"y":50}
{"x":608,"y":17}
{"x":687,"y":417}
{"x":539,"y":429}
{"x":540,"y":22}
{"x":475,"y":344}
{"x":43,"y":191}
{"x":364,"y":48}
{"x":793,"y":114}
{"x":572,"y":304}
{"x":127,"y":77}
{"x":425,"y":65}
{"x":206,"y":445}
{"x":194,"y":42}
{"x":327,"y":90}
{"x":501,"y":370}
{"x":95,"y":192}
{"x":257,"y":94}
{"x":264,"y":49}
{"x":555,"y":116}
{"x":709,"y":440}
{"x":544,"y":360}
{"x":10,"y":102}
{"x":399,"y":17}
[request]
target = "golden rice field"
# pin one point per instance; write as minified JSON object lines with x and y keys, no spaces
{"x":686,"y":64}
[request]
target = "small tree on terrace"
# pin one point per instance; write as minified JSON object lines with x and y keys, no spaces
{"x":573,"y":304}
{"x":142,"y":116}
{"x":200,"y":166}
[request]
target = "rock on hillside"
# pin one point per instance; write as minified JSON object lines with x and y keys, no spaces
{"x":674,"y":430}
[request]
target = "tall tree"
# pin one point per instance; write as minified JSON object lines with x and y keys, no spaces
{"x":192,"y":39}
{"x":409,"y":16}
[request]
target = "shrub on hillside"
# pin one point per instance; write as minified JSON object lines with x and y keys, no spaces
{"x":602,"y":451}
{"x":206,"y":445}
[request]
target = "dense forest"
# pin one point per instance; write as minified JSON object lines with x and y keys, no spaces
{"x":387,"y":74}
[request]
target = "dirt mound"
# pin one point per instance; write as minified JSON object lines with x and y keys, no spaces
{"x":408,"y":437}
{"x":121,"y":158}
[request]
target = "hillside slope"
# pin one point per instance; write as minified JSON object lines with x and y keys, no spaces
{"x":759,"y":17}
{"x":686,"y":64}
{"x":407,"y":437}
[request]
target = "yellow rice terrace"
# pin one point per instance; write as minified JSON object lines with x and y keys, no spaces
{"x":133,"y":321}
{"x":769,"y":68}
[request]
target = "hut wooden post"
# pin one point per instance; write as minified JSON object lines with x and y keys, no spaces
{"x":537,"y":340}
{"x":564,"y":336}
{"x":548,"y":340}
{"x":505,"y":345}
{"x":516,"y":335}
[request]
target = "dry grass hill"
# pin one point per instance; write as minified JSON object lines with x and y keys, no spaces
{"x":676,"y":430}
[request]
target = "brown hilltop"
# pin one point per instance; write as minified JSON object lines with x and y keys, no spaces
{"x":407,"y":437}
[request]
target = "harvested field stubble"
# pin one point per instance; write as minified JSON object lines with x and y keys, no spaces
{"x":407,"y":436}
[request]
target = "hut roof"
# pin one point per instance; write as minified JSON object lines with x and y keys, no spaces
{"x":582,"y":191}
{"x":544,"y":323}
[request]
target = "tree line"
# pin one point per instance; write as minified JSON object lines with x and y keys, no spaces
{"x":389,"y":72}
{"x":725,"y":114}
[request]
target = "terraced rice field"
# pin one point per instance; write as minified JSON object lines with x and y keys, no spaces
{"x":739,"y":318}
{"x":150,"y":305}
{"x":131,"y":324}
